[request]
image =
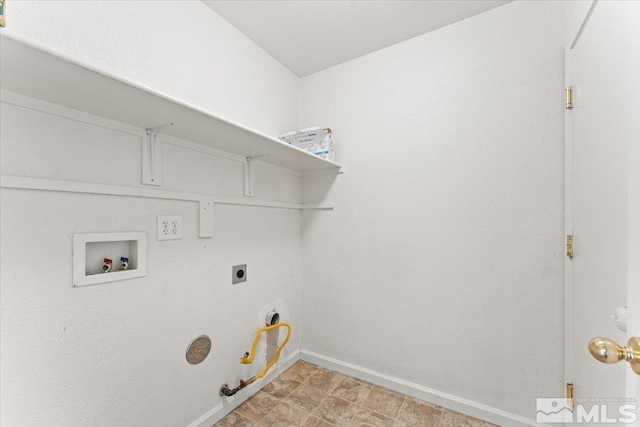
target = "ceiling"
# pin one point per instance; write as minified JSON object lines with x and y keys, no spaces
{"x":311,"y":35}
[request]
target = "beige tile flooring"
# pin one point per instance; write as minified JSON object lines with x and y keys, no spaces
{"x":306,"y":395}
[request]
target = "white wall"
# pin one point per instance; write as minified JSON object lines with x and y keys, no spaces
{"x":114,"y":354}
{"x":443,"y":261}
{"x":441,"y":265}
{"x":181,"y":48}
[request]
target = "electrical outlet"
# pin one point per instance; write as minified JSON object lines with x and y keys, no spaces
{"x":169,"y":227}
{"x":239,"y":273}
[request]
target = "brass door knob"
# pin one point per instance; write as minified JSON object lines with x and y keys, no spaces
{"x":608,"y":351}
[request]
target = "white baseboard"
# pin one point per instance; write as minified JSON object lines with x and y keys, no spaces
{"x":231,"y":403}
{"x":455,"y":403}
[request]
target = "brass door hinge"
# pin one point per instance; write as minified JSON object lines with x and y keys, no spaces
{"x":569,"y":393}
{"x":570,"y":246}
{"x":569,"y":97}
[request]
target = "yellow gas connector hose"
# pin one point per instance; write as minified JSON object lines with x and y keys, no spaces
{"x":249,"y":359}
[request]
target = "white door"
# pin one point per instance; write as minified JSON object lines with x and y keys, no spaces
{"x":604,"y":201}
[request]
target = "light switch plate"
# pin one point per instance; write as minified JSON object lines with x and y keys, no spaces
{"x":169,"y":227}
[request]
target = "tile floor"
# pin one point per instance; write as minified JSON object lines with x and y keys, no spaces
{"x":309,"y":396}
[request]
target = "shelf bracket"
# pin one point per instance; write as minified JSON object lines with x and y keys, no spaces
{"x":206,"y":208}
{"x":249,"y":174}
{"x":152,"y":156}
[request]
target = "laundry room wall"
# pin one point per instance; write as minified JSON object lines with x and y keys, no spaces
{"x":113,"y":354}
{"x":442,"y":265}
{"x":181,"y":48}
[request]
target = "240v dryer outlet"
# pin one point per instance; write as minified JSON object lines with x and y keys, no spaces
{"x":169,"y":227}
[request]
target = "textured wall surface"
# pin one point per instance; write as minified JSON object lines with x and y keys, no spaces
{"x":443,"y":261}
{"x":114,"y":354}
{"x":181,"y":48}
{"x":444,"y":250}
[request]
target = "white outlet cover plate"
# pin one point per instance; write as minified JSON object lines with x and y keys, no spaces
{"x":169,"y":227}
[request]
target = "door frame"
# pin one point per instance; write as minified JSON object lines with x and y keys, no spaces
{"x":568,"y":228}
{"x":578,"y":18}
{"x":633,"y":208}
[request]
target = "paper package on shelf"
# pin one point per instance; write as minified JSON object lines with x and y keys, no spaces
{"x":317,"y":141}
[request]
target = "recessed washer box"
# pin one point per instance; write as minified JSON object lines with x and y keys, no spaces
{"x":90,"y":250}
